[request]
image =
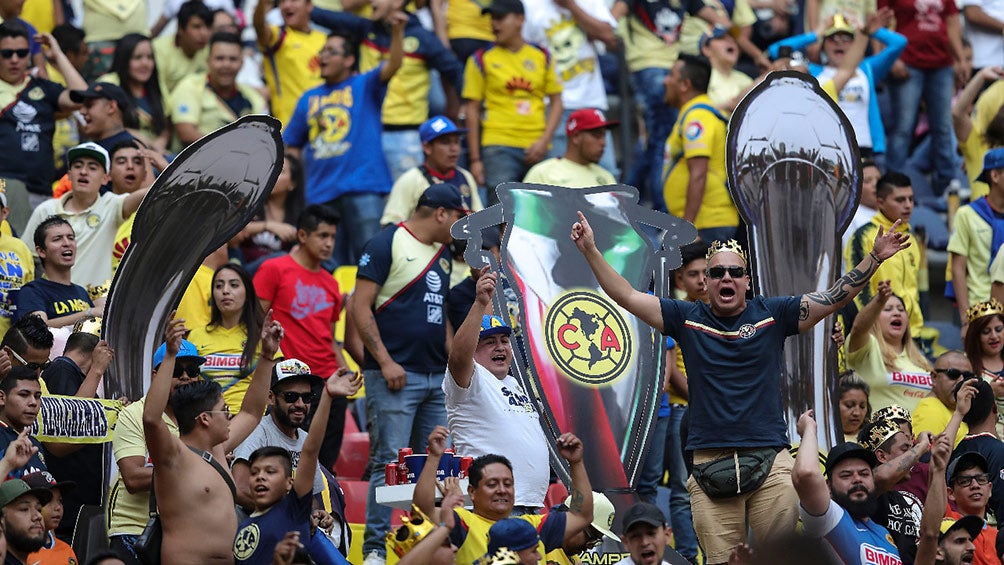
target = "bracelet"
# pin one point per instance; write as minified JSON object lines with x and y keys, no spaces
{"x":875,"y":257}
{"x":443,"y":525}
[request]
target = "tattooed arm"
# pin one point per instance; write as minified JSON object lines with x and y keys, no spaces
{"x":817,"y":305}
{"x":893,"y":471}
{"x":580,"y":507}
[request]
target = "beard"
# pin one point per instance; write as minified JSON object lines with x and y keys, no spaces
{"x":856,"y":508}
{"x":283,"y":419}
{"x":23,"y":542}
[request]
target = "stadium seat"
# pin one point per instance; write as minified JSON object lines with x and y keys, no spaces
{"x":556,"y":494}
{"x":355,"y":500}
{"x":350,"y":423}
{"x":354,"y":455}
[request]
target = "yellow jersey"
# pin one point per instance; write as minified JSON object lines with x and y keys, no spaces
{"x":292,"y":67}
{"x":464,"y":20}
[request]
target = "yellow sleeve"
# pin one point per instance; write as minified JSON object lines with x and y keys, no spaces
{"x":186,"y":107}
{"x":997,"y":268}
{"x":274,"y":38}
{"x":699,"y":134}
{"x":742,"y":14}
{"x":830,"y":89}
{"x":474,"y":80}
{"x":128,"y":439}
{"x":551,"y":84}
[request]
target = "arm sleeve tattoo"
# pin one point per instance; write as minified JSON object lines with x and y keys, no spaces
{"x":844,"y":289}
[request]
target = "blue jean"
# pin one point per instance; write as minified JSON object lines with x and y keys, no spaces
{"x":502,"y":164}
{"x":397,"y":419}
{"x":650,"y":93}
{"x":653,"y":466}
{"x":935,"y":87}
{"x":402,"y":149}
{"x":560,"y":142}
{"x":360,"y":220}
{"x":679,"y":499}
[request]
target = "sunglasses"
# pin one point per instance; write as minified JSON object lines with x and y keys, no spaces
{"x":718,"y":272}
{"x":225,"y":411}
{"x":966,"y":480}
{"x":290,"y":397}
{"x":32,"y":365}
{"x":8,"y":53}
{"x":954,"y":374}
{"x":185,"y":368}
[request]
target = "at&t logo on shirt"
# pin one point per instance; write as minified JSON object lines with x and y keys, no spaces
{"x":871,"y":555}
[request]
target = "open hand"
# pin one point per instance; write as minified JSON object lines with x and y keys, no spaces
{"x":889,"y":243}
{"x":343,"y":383}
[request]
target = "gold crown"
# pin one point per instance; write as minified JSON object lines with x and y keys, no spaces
{"x":879,"y":432}
{"x":730,"y":245}
{"x":893,"y":412}
{"x":96,"y":291}
{"x":980,"y":309}
{"x":504,"y":556}
{"x":88,"y":326}
{"x":412,"y":531}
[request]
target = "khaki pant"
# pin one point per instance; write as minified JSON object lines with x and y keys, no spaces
{"x":721,"y":523}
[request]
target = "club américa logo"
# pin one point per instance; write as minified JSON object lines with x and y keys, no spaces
{"x":588,"y":338}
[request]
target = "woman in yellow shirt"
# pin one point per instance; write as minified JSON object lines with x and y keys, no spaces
{"x":231,"y":341}
{"x":135,"y":70}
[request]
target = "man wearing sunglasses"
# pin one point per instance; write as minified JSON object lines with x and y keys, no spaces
{"x":969,"y":488}
{"x":935,"y":411}
{"x":733,"y":351}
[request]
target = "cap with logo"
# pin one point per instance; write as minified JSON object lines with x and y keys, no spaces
{"x":992,"y":160}
{"x":840,"y":25}
{"x":89,"y":149}
{"x":12,"y":489}
{"x":972,"y":524}
{"x":105,"y":90}
{"x":502,"y":8}
{"x":603,"y":514}
{"x":493,"y":325}
{"x":587,"y":119}
{"x":437,"y":127}
{"x":716,"y":32}
{"x":45,"y":480}
{"x":443,"y":195}
{"x":293,"y":369}
{"x":187,"y":350}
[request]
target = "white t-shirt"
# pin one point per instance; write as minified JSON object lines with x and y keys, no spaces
{"x":863,"y":215}
{"x":988,"y":46}
{"x":496,"y":416}
{"x":266,"y":433}
{"x":95,"y":229}
{"x":853,"y":100}
{"x":575,"y":60}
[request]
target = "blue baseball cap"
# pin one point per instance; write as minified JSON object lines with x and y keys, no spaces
{"x":443,"y":195}
{"x":437,"y":127}
{"x":187,"y":349}
{"x":513,"y":533}
{"x":992,"y":159}
{"x":716,"y":32}
{"x":493,"y":325}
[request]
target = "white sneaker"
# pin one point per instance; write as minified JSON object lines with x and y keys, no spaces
{"x":374,"y":558}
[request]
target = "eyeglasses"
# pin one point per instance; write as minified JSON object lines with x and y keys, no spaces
{"x":31,"y":365}
{"x":185,"y":368}
{"x":966,"y":480}
{"x":8,"y":53}
{"x":954,"y":374}
{"x":332,"y":52}
{"x":226,"y":411}
{"x":290,"y":397}
{"x":735,"y":271}
{"x":594,"y":537}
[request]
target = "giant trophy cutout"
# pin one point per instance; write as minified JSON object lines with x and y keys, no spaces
{"x":795,"y":175}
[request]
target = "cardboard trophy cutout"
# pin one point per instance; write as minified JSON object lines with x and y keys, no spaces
{"x":207,"y":195}
{"x":592,"y":368}
{"x":795,"y":175}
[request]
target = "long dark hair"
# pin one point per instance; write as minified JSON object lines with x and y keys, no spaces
{"x":974,"y":345}
{"x":295,"y":199}
{"x":120,"y":66}
{"x":251,"y":315}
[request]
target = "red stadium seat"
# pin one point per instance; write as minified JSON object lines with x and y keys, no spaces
{"x":355,"y":500}
{"x":350,"y":423}
{"x":353,"y":457}
{"x":556,"y":494}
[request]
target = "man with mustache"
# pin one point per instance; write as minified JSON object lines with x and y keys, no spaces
{"x":969,"y":488}
{"x":839,"y":506}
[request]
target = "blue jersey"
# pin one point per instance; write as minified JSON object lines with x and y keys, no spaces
{"x":339,"y":128}
{"x":26,"y":129}
{"x":410,"y":307}
{"x":851,"y":541}
{"x":55,"y":299}
{"x":36,"y":463}
{"x":257,"y":536}
{"x":734,"y":370}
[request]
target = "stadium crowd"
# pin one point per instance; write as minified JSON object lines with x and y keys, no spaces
{"x":343,"y":320}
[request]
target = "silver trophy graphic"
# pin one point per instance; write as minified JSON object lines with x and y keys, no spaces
{"x":794,"y":174}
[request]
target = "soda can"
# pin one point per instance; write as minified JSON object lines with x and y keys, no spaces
{"x":390,"y":474}
{"x":402,"y":453}
{"x":402,"y":474}
{"x":465,"y":464}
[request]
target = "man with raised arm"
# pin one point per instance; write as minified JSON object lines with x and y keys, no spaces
{"x":195,"y":493}
{"x":732,"y":349}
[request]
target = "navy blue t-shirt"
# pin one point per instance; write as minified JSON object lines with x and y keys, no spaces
{"x":36,"y":463}
{"x":734,"y":370}
{"x":257,"y":536}
{"x":26,"y":128}
{"x":410,"y":307}
{"x":55,"y":299}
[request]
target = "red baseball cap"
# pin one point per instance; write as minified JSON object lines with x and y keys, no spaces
{"x":587,"y":119}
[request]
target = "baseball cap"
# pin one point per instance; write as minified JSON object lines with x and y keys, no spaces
{"x":972,"y":524}
{"x":500,"y":8}
{"x":716,"y":32}
{"x":493,"y":325}
{"x":514,"y":533}
{"x":89,"y":149}
{"x":586,"y":119}
{"x":437,"y":127}
{"x":292,"y":369}
{"x":643,"y":513}
{"x":967,"y":460}
{"x":840,"y":25}
{"x":12,"y":489}
{"x":187,"y":349}
{"x":45,"y":480}
{"x":992,"y":159}
{"x":443,"y":195}
{"x":102,"y":90}
{"x":603,"y":514}
{"x":848,"y":450}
